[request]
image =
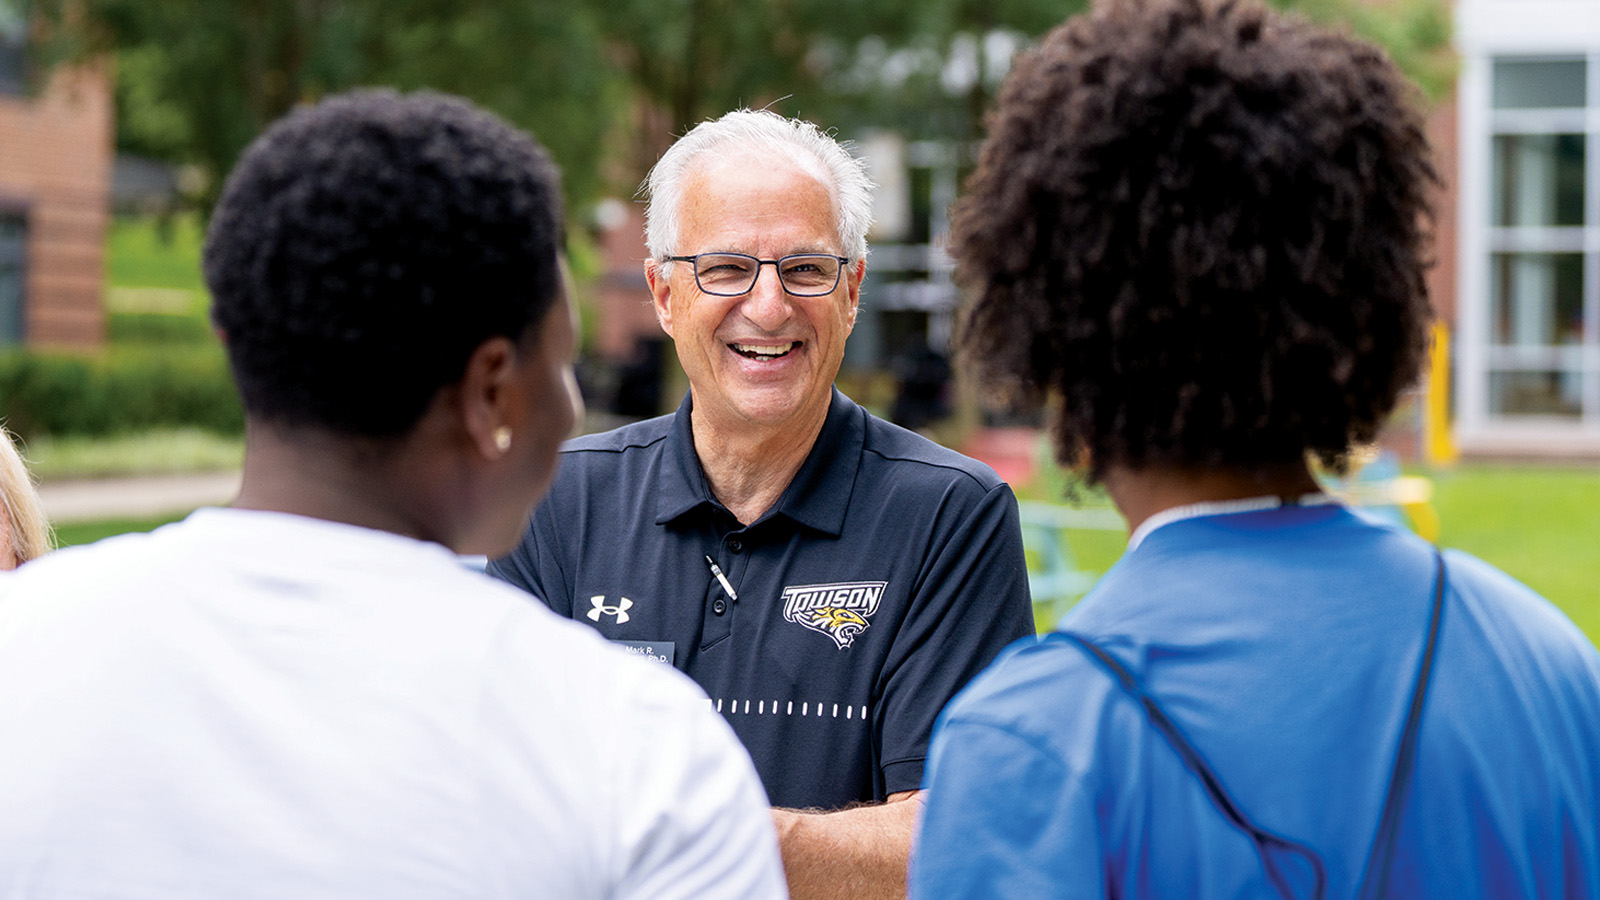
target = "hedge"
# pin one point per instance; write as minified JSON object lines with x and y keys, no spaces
{"x":126,"y":389}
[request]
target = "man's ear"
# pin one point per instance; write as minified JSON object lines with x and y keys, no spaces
{"x":488,"y":401}
{"x":660,"y":293}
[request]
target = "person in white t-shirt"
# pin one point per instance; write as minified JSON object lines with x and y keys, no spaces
{"x":307,"y":694}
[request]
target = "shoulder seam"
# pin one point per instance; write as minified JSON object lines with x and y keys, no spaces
{"x":939,"y":465}
{"x":622,"y":448}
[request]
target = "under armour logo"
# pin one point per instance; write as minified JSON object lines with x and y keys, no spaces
{"x":620,"y":610}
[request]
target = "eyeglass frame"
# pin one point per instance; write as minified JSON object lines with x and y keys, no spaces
{"x":776,"y":268}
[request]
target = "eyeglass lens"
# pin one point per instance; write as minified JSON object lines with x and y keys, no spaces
{"x":735,"y":273}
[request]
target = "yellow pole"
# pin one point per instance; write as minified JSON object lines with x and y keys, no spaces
{"x":1439,"y":443}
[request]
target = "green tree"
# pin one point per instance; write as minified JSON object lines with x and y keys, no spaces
{"x":605,"y":84}
{"x":1415,"y":33}
{"x":198,"y":79}
{"x":934,"y":71}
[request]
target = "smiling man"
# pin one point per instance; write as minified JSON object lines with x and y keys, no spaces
{"x":829,"y":579}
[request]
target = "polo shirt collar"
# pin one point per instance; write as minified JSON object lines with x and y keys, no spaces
{"x":683,"y":484}
{"x":820,"y":492}
{"x":818,"y":496}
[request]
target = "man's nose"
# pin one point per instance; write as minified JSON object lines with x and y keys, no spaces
{"x":767,"y":304}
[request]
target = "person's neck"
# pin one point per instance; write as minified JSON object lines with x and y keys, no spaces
{"x":337,"y":479}
{"x":1142,"y":493}
{"x":748,"y":465}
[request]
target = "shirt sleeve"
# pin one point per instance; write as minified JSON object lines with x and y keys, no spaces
{"x":532,"y":566}
{"x":971,"y":602}
{"x":694,"y":818}
{"x":1004,"y":818}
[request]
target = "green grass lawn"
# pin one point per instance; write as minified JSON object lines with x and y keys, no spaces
{"x":143,"y":252}
{"x":73,"y":533}
{"x":1539,"y":524}
{"x":167,"y":451}
{"x":155,"y":293}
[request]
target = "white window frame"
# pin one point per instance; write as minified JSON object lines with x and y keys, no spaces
{"x":1487,"y":30}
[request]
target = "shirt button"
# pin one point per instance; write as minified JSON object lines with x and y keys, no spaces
{"x":718,"y":606}
{"x":735,"y":545}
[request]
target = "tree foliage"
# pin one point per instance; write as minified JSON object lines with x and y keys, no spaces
{"x":198,"y":79}
{"x":605,"y":84}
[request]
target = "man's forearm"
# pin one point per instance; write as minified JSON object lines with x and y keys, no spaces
{"x":852,"y":854}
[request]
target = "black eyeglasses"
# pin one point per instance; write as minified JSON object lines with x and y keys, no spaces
{"x":732,"y":274}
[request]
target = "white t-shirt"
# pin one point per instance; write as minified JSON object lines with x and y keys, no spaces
{"x":250,"y":704}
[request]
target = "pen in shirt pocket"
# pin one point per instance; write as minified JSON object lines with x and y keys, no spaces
{"x":722,"y":579}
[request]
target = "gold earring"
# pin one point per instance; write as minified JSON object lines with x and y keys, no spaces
{"x":502,"y":438}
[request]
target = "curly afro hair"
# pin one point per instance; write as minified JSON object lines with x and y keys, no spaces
{"x":365,"y":246}
{"x":1198,"y":231}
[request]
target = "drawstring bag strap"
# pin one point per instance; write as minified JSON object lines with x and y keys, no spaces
{"x":1375,"y":880}
{"x":1265,"y":841}
{"x":1268,"y":845}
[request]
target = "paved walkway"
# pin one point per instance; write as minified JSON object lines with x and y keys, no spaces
{"x":1013,"y":452}
{"x":135,"y":498}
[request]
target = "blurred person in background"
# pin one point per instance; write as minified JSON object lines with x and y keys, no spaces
{"x":24,"y":529}
{"x":307,"y":694}
{"x":1198,"y":232}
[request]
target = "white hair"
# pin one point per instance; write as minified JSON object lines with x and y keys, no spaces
{"x":765,"y":132}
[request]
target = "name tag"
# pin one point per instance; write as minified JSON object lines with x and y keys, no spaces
{"x":660,"y":651}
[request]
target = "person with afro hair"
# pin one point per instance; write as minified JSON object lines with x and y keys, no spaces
{"x":309,"y":694}
{"x":1197,"y":234}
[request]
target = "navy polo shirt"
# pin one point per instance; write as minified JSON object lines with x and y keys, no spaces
{"x":888,"y":574}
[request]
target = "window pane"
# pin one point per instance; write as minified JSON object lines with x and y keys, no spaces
{"x":13,"y":45}
{"x":1536,"y":299}
{"x":1538,"y":179}
{"x":13,"y":254}
{"x":1540,"y":84}
{"x":1553,"y":392}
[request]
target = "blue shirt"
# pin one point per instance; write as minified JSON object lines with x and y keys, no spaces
{"x":1285,"y":644}
{"x":887,"y":575}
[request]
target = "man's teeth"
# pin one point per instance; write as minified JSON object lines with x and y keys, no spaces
{"x":764,"y":351}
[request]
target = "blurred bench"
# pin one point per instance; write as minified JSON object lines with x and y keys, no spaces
{"x":1055,"y":578}
{"x":1379,"y":490}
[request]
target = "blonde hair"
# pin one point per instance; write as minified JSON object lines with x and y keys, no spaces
{"x":19,"y":502}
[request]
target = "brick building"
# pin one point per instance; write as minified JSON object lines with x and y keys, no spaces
{"x":55,"y":175}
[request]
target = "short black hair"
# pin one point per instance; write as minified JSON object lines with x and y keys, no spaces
{"x":365,"y":246}
{"x":1199,"y":232}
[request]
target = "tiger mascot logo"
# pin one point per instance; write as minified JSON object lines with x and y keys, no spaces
{"x":840,"y":624}
{"x":839,"y":611}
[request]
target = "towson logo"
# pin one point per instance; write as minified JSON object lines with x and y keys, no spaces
{"x":839,"y":611}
